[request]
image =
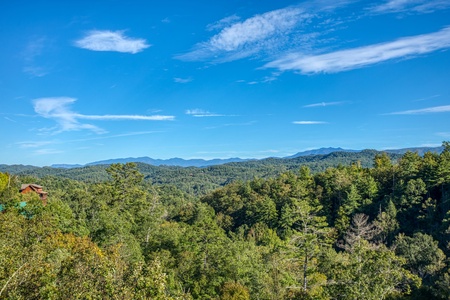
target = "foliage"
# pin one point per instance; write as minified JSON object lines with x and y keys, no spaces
{"x":272,"y":229}
{"x":200,"y":181}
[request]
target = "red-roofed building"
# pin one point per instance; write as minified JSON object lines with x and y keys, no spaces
{"x":27,"y":188}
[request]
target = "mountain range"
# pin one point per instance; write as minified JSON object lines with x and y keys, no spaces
{"x":180,"y":162}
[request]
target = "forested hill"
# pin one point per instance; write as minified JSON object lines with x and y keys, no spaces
{"x":345,"y":233}
{"x":197,"y":181}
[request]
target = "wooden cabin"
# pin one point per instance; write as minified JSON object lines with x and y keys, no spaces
{"x":31,"y":187}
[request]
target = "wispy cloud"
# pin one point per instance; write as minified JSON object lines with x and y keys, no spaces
{"x":417,"y":6}
{"x":124,"y":117}
{"x":199,"y":113}
{"x":9,"y":119}
{"x":344,"y":60}
{"x":106,"y":40}
{"x":427,"y":98}
{"x":309,"y":122}
{"x":323,"y":104}
{"x":59,"y":110}
{"x":32,"y":144}
{"x":265,"y":79}
{"x":33,"y":50}
{"x":428,"y":110}
{"x":267,"y":34}
{"x":431,"y":145}
{"x":443,"y":134}
{"x":182,"y":80}
{"x":242,"y":39}
{"x":221,"y":24}
{"x":35,"y":71}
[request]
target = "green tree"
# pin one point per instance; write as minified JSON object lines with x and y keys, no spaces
{"x":367,"y":270}
{"x":387,"y":223}
{"x":234,"y":291}
{"x":410,"y":165}
{"x":422,"y":254}
{"x":310,"y":236}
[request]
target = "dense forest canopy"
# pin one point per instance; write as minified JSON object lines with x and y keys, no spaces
{"x":199,"y":181}
{"x":283,"y":231}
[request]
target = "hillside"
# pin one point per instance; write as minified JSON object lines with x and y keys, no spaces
{"x":360,"y":233}
{"x":195,"y":180}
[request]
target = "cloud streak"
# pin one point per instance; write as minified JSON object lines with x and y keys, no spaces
{"x":360,"y":57}
{"x":309,"y":122}
{"x":323,"y":104}
{"x":221,"y":24}
{"x":200,"y":113}
{"x":39,"y":144}
{"x":59,"y":110}
{"x":182,"y":80}
{"x":106,"y":40}
{"x":428,"y":110}
{"x":418,"y":6}
{"x":427,"y":98}
{"x":125,"y":117}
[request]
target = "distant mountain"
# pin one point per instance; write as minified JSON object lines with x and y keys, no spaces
{"x":198,"y":180}
{"x":420,"y":150}
{"x":321,"y":151}
{"x":66,"y":166}
{"x":179,"y":162}
{"x":324,"y":151}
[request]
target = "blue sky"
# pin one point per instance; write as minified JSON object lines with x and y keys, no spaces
{"x":82,"y":81}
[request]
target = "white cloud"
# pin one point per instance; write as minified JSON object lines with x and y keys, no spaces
{"x":266,"y":34}
{"x":9,"y":119}
{"x":418,"y":6}
{"x":34,"y":144}
{"x":242,"y":39}
{"x":427,"y":98}
{"x":199,"y":113}
{"x":223,"y":23}
{"x":34,"y":48}
{"x":106,"y":40}
{"x":309,"y":122}
{"x":443,"y":134}
{"x":58,"y":109}
{"x":428,"y":110}
{"x":182,"y":80}
{"x":31,"y":56}
{"x":343,"y":60}
{"x":35,"y":71}
{"x":323,"y":104}
{"x":432,"y":145}
{"x":124,"y":117}
{"x":255,"y":29}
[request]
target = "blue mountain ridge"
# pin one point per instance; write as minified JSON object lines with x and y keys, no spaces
{"x":180,"y":162}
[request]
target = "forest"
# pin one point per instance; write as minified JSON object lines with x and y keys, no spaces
{"x":199,"y":181}
{"x":302,"y":230}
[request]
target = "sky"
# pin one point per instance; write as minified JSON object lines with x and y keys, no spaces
{"x":83,"y":81}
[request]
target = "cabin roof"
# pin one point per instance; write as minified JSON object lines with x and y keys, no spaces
{"x":32,"y":185}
